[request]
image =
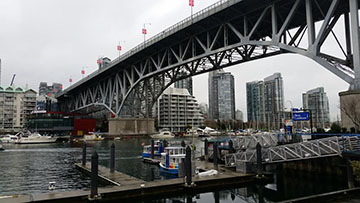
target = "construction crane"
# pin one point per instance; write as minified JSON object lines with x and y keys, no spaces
{"x":12,"y":80}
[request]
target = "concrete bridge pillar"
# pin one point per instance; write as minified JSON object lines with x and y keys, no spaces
{"x":350,"y":110}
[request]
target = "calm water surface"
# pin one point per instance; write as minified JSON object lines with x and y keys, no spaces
{"x":28,"y":169}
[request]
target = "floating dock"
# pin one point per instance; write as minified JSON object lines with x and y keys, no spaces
{"x":125,"y":187}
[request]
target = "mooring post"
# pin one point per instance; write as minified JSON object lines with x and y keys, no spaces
{"x":215,"y":155}
{"x":188,"y":166}
{"x":231,"y":147}
{"x":152,"y":148}
{"x":181,"y":168}
{"x":182,"y":143}
{"x":206,"y":149}
{"x":84,"y":154}
{"x":112,"y":158}
{"x":350,"y":176}
{"x":94,"y":175}
{"x":259,"y":160}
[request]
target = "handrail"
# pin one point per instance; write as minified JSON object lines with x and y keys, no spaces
{"x":222,"y":4}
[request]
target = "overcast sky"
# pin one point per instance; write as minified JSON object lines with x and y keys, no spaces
{"x":52,"y":40}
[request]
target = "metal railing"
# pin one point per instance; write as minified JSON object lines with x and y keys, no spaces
{"x":325,"y":147}
{"x":210,"y":10}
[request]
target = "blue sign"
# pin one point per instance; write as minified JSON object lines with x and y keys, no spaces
{"x":295,"y":109}
{"x":301,"y":116}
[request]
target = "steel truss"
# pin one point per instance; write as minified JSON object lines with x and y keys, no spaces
{"x":332,"y":146}
{"x":250,"y":142}
{"x":273,"y":28}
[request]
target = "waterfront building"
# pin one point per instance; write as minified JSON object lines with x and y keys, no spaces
{"x":178,"y":110}
{"x":317,"y":102}
{"x":255,"y":103}
{"x":186,"y":83}
{"x":265,"y":102}
{"x":16,"y":104}
{"x":50,"y":90}
{"x":221,"y":95}
{"x":46,"y":103}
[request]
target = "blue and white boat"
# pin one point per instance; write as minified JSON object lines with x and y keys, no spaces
{"x":171,"y":158}
{"x":158,"y":149}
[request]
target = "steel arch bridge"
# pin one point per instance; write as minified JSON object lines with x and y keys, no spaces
{"x":227,"y":33}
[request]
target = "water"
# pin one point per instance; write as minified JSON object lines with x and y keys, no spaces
{"x":28,"y":169}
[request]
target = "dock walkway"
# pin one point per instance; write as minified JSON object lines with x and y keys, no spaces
{"x":125,"y":187}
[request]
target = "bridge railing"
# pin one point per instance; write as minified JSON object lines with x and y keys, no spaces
{"x":212,"y":9}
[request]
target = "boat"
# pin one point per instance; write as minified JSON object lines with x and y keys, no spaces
{"x":163,"y":134}
{"x":191,"y":133}
{"x":8,"y":138}
{"x":93,"y":137}
{"x":171,"y":158}
{"x":33,"y":138}
{"x":158,"y":149}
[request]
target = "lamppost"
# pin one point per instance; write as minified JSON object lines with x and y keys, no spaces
{"x":119,"y":47}
{"x":311,"y":122}
{"x":144,"y":31}
{"x":191,"y":4}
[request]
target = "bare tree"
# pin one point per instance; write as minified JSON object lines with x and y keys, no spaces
{"x":351,"y":108}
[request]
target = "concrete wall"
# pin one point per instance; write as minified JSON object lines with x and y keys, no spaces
{"x":350,"y":102}
{"x":131,"y":126}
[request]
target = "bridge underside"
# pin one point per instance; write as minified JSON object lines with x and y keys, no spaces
{"x":226,"y":34}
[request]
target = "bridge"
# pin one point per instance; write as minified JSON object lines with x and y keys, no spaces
{"x":325,"y":147}
{"x":227,"y":33}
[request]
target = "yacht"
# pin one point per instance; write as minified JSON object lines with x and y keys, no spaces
{"x":191,"y":133}
{"x":8,"y":138}
{"x":33,"y":138}
{"x":163,"y":134}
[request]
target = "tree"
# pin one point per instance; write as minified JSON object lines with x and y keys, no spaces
{"x":335,"y":128}
{"x":351,"y":108}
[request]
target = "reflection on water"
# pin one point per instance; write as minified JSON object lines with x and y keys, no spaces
{"x":29,"y":169}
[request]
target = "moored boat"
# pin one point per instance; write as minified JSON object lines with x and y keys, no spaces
{"x":163,"y":134}
{"x":171,"y":158}
{"x":93,"y":137}
{"x":8,"y":138}
{"x":158,"y":149}
{"x":33,"y":138}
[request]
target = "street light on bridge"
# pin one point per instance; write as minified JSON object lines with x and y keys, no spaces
{"x":144,"y":31}
{"x":119,"y":47}
{"x":191,"y":4}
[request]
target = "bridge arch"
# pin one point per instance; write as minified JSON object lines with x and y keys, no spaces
{"x":218,"y":37}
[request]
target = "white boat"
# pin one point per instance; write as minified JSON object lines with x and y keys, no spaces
{"x":8,"y":138}
{"x":93,"y":137}
{"x":171,"y":158}
{"x":164,"y":134}
{"x":34,"y":138}
{"x":191,"y":133}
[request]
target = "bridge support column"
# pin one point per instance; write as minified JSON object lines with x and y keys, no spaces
{"x":350,"y":110}
{"x":355,"y":34}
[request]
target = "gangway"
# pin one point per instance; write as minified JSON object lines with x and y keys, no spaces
{"x":250,"y":142}
{"x":325,"y":147}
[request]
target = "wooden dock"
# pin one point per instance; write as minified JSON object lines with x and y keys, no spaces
{"x":125,"y":187}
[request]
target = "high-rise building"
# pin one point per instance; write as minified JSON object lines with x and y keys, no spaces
{"x":265,"y":102}
{"x":16,"y":103}
{"x":103,"y":62}
{"x":204,"y":109}
{"x":221,"y":95}
{"x":316,"y":101}
{"x":185,"y":83}
{"x":178,"y":110}
{"x":255,"y":102}
{"x":50,"y":91}
{"x":239,"y":115}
